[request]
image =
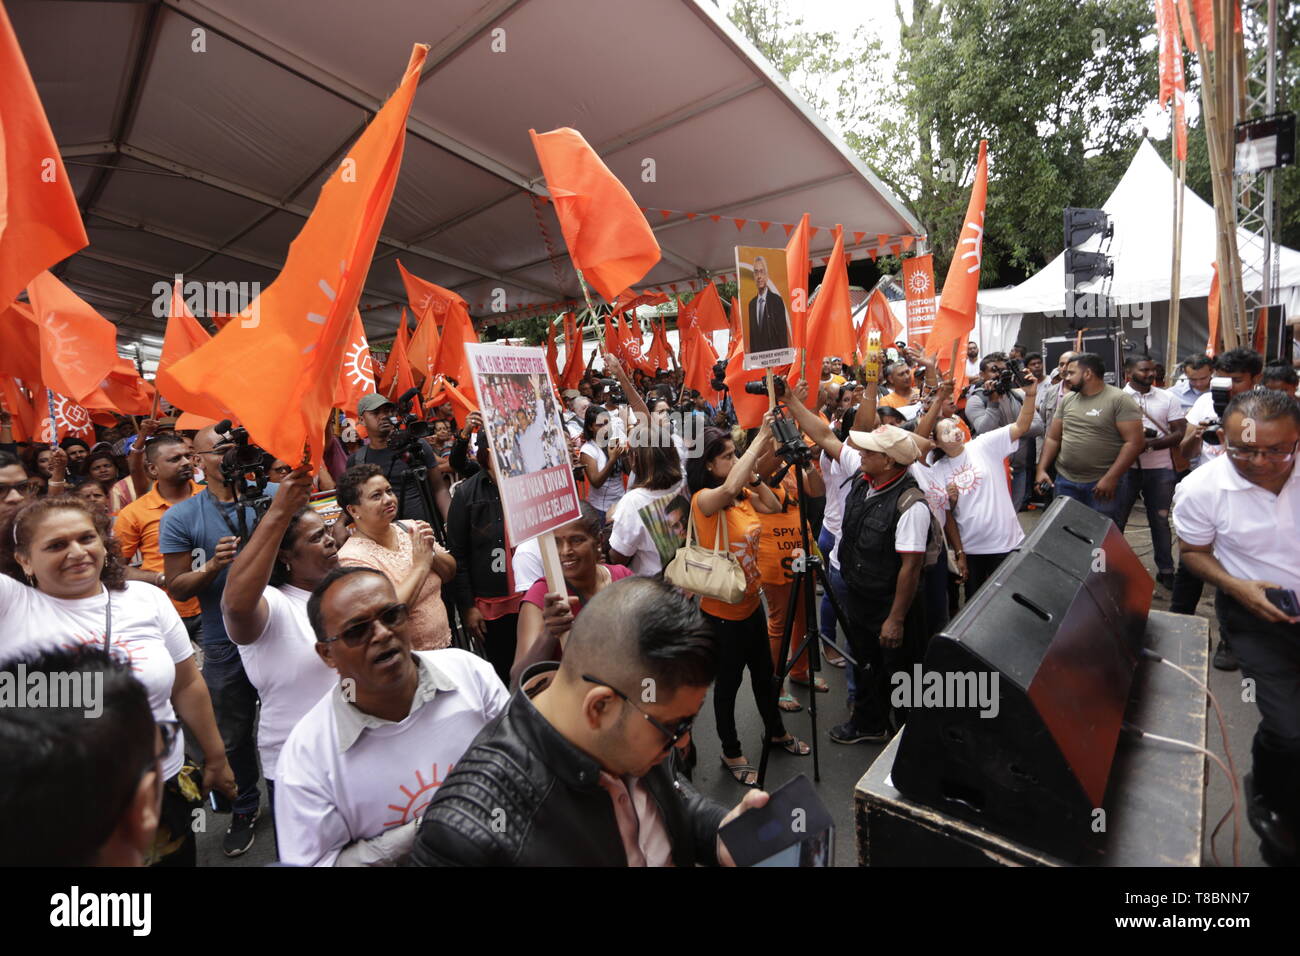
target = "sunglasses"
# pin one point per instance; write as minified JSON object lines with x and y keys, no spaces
{"x":672,"y":734}
{"x":354,"y":634}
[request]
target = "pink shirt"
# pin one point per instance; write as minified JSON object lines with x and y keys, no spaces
{"x":537,"y":593}
{"x":645,"y":839}
{"x":429,"y":628}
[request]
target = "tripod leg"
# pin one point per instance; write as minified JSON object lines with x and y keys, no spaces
{"x":779,"y":673}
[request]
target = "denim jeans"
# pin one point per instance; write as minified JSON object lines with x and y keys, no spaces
{"x":826,"y":542}
{"x":234,"y":701}
{"x":1082,"y":493}
{"x":1019,"y":487}
{"x":1157,"y":488}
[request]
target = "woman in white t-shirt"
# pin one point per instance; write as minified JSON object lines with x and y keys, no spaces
{"x":264,"y":605}
{"x":63,"y":585}
{"x":604,"y":459}
{"x":975,"y":472}
{"x":649,"y":524}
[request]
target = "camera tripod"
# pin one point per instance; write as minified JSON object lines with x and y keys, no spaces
{"x":805,"y":574}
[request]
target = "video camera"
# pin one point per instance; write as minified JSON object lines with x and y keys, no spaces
{"x":612,"y":386}
{"x":760,"y":387}
{"x":243,"y":469}
{"x":719,"y":381}
{"x":1009,"y":378}
{"x":408,"y":428}
{"x":1220,"y":396}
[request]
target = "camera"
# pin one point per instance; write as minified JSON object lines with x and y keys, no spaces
{"x":243,"y":469}
{"x":1220,"y":396}
{"x":408,"y":428}
{"x":1009,"y":378}
{"x":719,"y":381}
{"x":1150,"y":433}
{"x":611,"y":385}
{"x":760,"y":387}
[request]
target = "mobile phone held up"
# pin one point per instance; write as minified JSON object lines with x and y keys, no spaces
{"x":1284,"y":600}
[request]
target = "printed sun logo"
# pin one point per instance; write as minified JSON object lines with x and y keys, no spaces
{"x":976,"y":240}
{"x":918,"y":282}
{"x":123,"y":652}
{"x":66,"y":355}
{"x":634,"y":349}
{"x":966,"y":478}
{"x":69,"y":419}
{"x":358,"y":367}
{"x":418,"y":799}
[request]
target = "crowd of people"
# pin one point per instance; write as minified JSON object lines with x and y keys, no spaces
{"x":412,"y":688}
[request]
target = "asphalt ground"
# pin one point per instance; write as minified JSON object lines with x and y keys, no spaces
{"x":842,"y":766}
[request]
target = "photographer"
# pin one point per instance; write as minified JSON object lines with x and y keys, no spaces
{"x":204,"y":531}
{"x":379,"y":415}
{"x":1242,"y":367}
{"x":1236,"y":518}
{"x":995,"y":403}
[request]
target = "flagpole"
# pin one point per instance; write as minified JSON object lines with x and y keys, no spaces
{"x":54,"y":425}
{"x":591,"y":307}
{"x":1175,"y":279}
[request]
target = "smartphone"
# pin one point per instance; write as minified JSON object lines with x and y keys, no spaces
{"x":1284,"y":600}
{"x":793,"y":829}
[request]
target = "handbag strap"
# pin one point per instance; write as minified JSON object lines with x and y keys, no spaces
{"x":721,"y":535}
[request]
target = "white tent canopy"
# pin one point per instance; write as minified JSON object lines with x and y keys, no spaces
{"x":205,"y":161}
{"x":1141,"y":209}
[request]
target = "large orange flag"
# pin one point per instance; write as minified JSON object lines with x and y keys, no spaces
{"x":796,"y":270}
{"x":706,"y":310}
{"x":391,"y":364}
{"x":879,"y":317}
{"x":20,"y":343}
{"x":956,"y":315}
{"x":750,"y":409}
{"x":123,"y":390}
{"x":276,"y":369}
{"x":427,"y":297}
{"x":830,"y":320}
{"x":698,"y":357}
{"x":78,"y":345}
{"x":607,"y":234}
{"x":184,"y":335}
{"x":357,"y":374}
{"x":39,"y":221}
{"x":632,"y":351}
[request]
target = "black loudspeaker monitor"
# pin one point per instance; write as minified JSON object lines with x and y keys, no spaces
{"x":1061,"y":625}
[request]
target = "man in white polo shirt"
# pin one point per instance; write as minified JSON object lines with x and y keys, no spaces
{"x":358,"y":770}
{"x":1237,"y":519}
{"x":1153,"y":475}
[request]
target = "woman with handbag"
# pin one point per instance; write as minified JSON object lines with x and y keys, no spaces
{"x":726,"y":497}
{"x":63,"y":585}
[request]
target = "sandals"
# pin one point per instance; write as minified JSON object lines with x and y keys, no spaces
{"x":789,"y":705}
{"x":818,"y":684}
{"x":740,"y":772}
{"x":836,"y":661}
{"x":793,"y":745}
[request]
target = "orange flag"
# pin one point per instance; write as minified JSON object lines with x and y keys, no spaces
{"x":20,"y":344}
{"x":423,"y":348}
{"x":1212,"y":305}
{"x":452,"y":360}
{"x":698,"y":358}
{"x":184,"y":335}
{"x":1172,"y":82}
{"x":426,"y":297}
{"x":830,"y":320}
{"x":733,"y":325}
{"x":123,"y":390}
{"x":956,"y":315}
{"x":632,"y":352}
{"x":552,"y":355}
{"x":607,"y":234}
{"x":70,"y":419}
{"x":750,"y":409}
{"x":356,"y":374}
{"x":277,"y":368}
{"x":878,"y":316}
{"x":39,"y":221}
{"x":796,"y":270}
{"x":389,"y":372}
{"x":78,"y":345}
{"x":707,"y":309}
{"x":20,"y":408}
{"x":573,"y":367}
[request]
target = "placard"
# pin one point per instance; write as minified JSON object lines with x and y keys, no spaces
{"x":528,"y":442}
{"x":764,"y":307}
{"x":918,"y":288}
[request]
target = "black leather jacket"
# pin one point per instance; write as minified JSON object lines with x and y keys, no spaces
{"x":522,"y":795}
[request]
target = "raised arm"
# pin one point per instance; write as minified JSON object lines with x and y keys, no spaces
{"x":811,"y":422}
{"x":1025,"y":420}
{"x":713,"y":500}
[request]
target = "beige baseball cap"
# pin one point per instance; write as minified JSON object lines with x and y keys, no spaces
{"x":888,"y":440}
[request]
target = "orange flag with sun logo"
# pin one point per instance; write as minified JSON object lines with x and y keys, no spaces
{"x":275,"y":367}
{"x":879,"y":317}
{"x":956,"y":315}
{"x":829,"y":328}
{"x":357,"y":373}
{"x":39,"y":221}
{"x":78,"y":345}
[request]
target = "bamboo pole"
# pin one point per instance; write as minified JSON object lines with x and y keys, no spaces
{"x":1175,"y":278}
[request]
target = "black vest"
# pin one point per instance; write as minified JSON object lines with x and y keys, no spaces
{"x":869,"y":561}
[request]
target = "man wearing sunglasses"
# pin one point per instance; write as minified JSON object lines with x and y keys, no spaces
{"x":579,"y":770}
{"x":1237,"y":519}
{"x":361,"y":766}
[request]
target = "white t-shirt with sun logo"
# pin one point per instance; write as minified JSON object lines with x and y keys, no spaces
{"x":148,"y":636}
{"x":335,"y":784}
{"x":985,"y":515}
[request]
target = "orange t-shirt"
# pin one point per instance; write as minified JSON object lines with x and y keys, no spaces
{"x":744,"y":532}
{"x":895,"y":400}
{"x":782,"y":538}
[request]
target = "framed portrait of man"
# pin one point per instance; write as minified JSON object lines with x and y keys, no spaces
{"x":764,"y":306}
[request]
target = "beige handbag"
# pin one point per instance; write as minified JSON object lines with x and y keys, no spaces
{"x":712,"y":573}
